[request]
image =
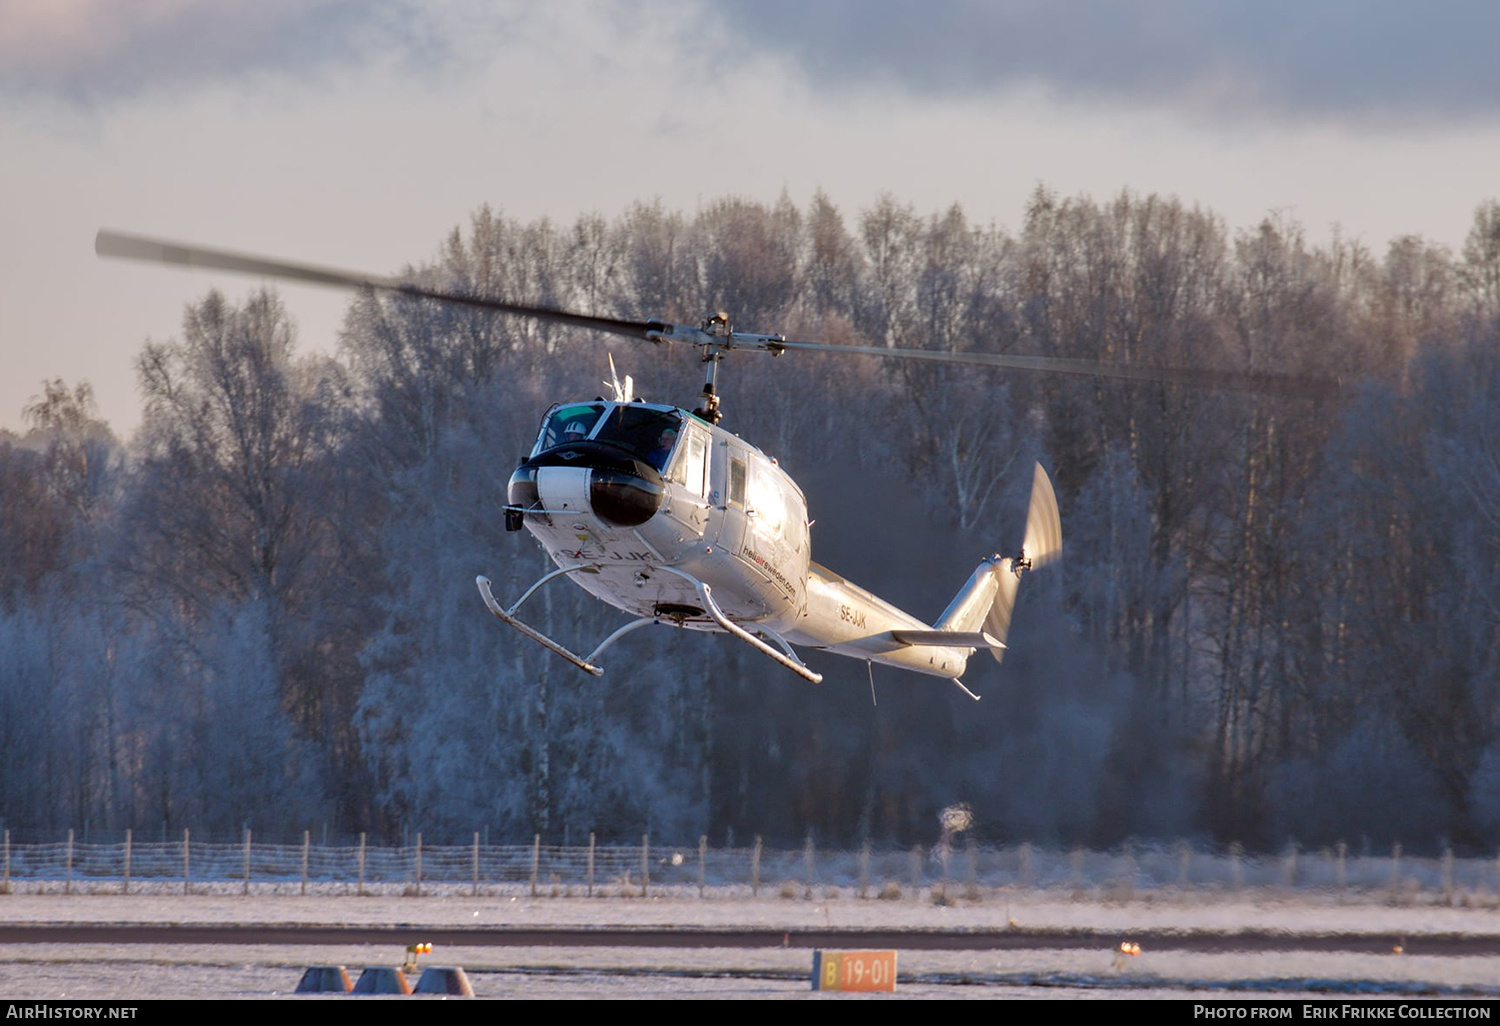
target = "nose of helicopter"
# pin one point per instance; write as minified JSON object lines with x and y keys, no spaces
{"x":625,"y":499}
{"x":615,"y":487}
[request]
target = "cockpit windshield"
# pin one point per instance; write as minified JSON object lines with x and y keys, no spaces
{"x":570,"y":423}
{"x":647,"y":433}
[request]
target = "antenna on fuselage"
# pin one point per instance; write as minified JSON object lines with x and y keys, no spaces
{"x":623,"y":393}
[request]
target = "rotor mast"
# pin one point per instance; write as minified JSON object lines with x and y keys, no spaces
{"x":715,"y":337}
{"x":716,"y":327}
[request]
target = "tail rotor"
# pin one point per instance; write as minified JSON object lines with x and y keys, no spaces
{"x":1042,"y":544}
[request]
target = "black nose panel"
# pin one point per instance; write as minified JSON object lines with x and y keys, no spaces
{"x":521,"y":492}
{"x":624,"y":499}
{"x":624,"y":490}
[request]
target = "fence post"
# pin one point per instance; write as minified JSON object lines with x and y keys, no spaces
{"x":187,"y":865}
{"x":645,"y":865}
{"x":916,"y":871}
{"x":306,"y":844}
{"x":1395,"y":871}
{"x":476,"y":863}
{"x":807,"y":865}
{"x":971,"y":878}
{"x":125,"y":884}
{"x":68,"y":883}
{"x":755,"y":869}
{"x":536,"y":860}
{"x":361,"y":889}
{"x":419,"y":863}
{"x":1448,"y":874}
{"x":247,"y":860}
{"x":864,"y":869}
{"x":1342,"y":875}
{"x":591,"y":863}
{"x":702,"y":855}
{"x":5,"y":873}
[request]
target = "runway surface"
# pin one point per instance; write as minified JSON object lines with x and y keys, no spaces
{"x":1011,"y":944}
{"x":1014,"y":939}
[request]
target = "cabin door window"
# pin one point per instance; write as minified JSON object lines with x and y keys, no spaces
{"x":736,"y":482}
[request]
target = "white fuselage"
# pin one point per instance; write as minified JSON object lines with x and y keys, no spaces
{"x":731,"y":518}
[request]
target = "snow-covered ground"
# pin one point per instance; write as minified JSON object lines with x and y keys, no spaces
{"x":129,"y":971}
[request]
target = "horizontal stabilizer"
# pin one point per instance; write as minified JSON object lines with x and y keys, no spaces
{"x":948,"y":639}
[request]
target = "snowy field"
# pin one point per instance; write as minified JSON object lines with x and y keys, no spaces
{"x":132,"y":971}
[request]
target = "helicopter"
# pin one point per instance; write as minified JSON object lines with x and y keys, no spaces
{"x":662,"y":513}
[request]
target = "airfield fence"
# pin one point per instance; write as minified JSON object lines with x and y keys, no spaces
{"x":185,"y":865}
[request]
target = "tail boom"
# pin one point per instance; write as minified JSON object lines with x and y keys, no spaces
{"x":845,"y":619}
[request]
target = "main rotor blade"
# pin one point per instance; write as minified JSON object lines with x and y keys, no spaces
{"x":136,"y":247}
{"x":1231,"y":381}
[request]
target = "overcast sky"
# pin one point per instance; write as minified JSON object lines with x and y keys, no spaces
{"x":359,"y":132}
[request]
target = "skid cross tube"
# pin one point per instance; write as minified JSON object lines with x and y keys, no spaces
{"x":645,"y":621}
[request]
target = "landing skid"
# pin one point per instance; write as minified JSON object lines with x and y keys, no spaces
{"x":509,"y":616}
{"x":786,"y":657}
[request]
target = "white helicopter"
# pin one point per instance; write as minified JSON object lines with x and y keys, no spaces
{"x":663,"y":514}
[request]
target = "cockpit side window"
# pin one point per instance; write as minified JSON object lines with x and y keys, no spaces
{"x":570,"y":423}
{"x":692,"y":466}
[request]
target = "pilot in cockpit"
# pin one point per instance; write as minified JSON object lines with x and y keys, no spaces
{"x":574,"y":432}
{"x":663,"y":451}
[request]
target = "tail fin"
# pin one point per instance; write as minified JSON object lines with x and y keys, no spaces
{"x":989,"y":597}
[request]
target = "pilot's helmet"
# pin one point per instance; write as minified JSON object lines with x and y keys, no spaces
{"x":574,"y":432}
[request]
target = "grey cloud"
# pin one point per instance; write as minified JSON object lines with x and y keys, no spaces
{"x":115,"y":51}
{"x":1335,"y":59}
